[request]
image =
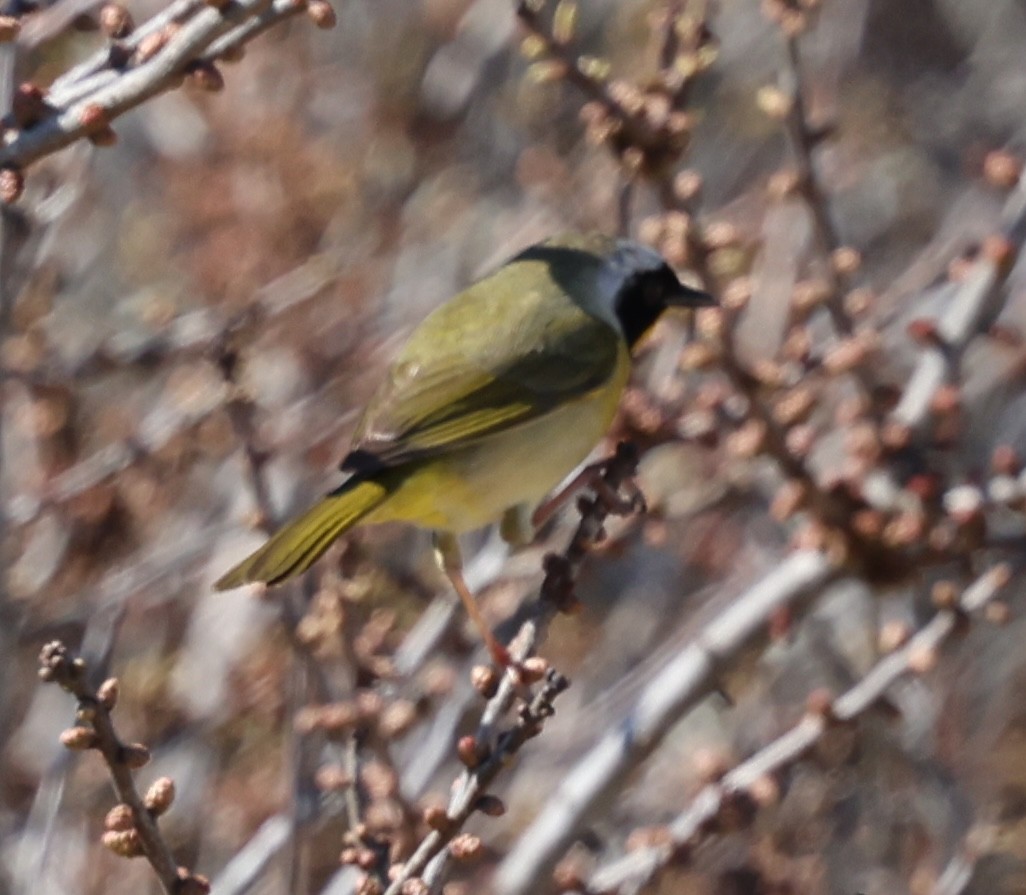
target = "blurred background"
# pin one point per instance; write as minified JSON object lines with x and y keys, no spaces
{"x":215,"y":297}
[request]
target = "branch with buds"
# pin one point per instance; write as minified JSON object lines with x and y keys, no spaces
{"x":740,"y":792}
{"x":644,"y":128}
{"x":186,"y":41}
{"x":483,"y":764}
{"x":487,"y":752}
{"x":787,"y":104}
{"x":131,"y":828}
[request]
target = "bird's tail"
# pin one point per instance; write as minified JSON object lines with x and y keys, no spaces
{"x":299,"y":544}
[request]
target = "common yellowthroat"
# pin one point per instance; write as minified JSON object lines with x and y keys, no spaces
{"x":496,"y":397}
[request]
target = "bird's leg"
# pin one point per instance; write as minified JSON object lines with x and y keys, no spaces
{"x":450,"y":561}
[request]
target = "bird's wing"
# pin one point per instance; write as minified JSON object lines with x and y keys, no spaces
{"x":480,"y":365}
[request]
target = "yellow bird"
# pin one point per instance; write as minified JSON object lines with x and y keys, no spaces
{"x":497,"y":396}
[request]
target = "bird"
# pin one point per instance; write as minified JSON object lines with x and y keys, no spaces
{"x":497,"y":396}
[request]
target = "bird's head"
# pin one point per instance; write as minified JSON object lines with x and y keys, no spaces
{"x":619,"y":280}
{"x":640,"y":285}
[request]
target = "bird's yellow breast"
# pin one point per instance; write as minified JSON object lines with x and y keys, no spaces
{"x":474,"y":485}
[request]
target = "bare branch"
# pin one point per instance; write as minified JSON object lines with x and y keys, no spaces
{"x":685,"y":680}
{"x":631,"y":873}
{"x":803,"y":140}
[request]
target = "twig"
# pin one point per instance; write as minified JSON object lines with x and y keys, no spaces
{"x":689,"y":677}
{"x":476,"y":780}
{"x":978,"y":299}
{"x":277,"y":11}
{"x":803,"y":140}
{"x":636,"y":870}
{"x":95,"y":730}
{"x":556,"y":593}
{"x":178,"y":11}
{"x":642,"y":127}
{"x":685,"y":33}
{"x":831,"y":508}
{"x":636,"y":130}
{"x":94,"y":94}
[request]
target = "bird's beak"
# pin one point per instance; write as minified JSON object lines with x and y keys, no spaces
{"x":686,"y":297}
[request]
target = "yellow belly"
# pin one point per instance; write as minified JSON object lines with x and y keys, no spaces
{"x":473,"y":486}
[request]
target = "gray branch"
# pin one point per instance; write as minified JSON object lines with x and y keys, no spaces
{"x":688,"y":678}
{"x":204,"y":35}
{"x":634,"y":871}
